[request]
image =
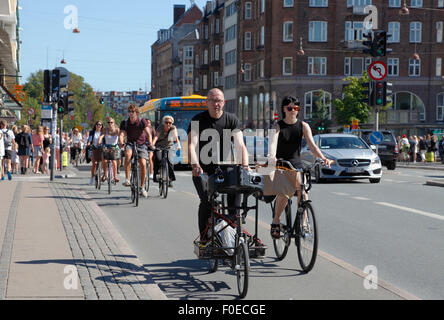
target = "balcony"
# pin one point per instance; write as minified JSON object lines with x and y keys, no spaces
{"x":215,"y":63}
{"x":204,"y":66}
{"x":359,"y":11}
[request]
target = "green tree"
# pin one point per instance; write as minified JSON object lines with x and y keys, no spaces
{"x":351,"y":106}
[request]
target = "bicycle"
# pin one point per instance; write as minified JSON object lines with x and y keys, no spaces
{"x":232,"y":247}
{"x":135,"y":174}
{"x":98,"y":175}
{"x":303,"y":229}
{"x":163,"y":175}
{"x":108,"y":150}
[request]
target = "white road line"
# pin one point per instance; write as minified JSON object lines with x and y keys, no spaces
{"x":361,"y":198}
{"x":420,"y":212}
{"x":341,"y":193}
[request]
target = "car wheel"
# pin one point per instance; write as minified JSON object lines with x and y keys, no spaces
{"x":391,"y":165}
{"x":377,"y":180}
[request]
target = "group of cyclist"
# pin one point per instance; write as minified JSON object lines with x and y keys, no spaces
{"x":285,"y":144}
{"x":105,"y":145}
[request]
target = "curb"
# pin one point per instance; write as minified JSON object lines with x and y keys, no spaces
{"x":420,"y":167}
{"x":435,"y":183}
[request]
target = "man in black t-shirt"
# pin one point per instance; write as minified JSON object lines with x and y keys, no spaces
{"x":209,"y":144}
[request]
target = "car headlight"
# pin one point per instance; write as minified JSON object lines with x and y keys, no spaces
{"x":376,"y":160}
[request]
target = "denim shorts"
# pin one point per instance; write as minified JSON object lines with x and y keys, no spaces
{"x":142,"y":150}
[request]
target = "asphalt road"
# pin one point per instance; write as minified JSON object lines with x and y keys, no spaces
{"x":394,"y":229}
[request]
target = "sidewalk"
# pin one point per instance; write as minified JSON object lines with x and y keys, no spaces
{"x":57,"y":244}
{"x":438,"y":166}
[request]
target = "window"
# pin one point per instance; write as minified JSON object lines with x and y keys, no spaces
{"x":262,"y":6}
{"x":439,"y":31}
{"x":217,"y":26}
{"x":216,"y":52}
{"x":247,"y":15}
{"x":414,"y":68}
{"x":416,"y":3}
{"x":188,"y":52}
{"x":438,"y":67}
{"x":196,"y":84}
{"x":288,"y":3}
{"x":358,"y":3}
{"x":204,"y":82}
{"x":196,"y":61}
{"x":317,"y":66}
{"x":262,"y":69}
{"x":230,"y":57}
{"x":230,"y":9}
{"x":347,"y":66}
{"x":230,"y":82}
{"x":230,"y":33}
{"x":216,"y":78}
{"x":440,"y":3}
{"x":205,"y":57}
{"x":317,"y":31}
{"x":288,"y":31}
{"x":318,"y":3}
{"x":247,"y":72}
{"x":188,"y":72}
{"x":206,"y":31}
{"x":440,"y":107}
{"x":312,"y":99}
{"x":393,"y":30}
{"x":262,"y":36}
{"x":393,"y":67}
{"x":247,"y":41}
{"x":415,"y":32}
{"x":395,"y":3}
{"x":287,"y":66}
{"x":355,"y":30}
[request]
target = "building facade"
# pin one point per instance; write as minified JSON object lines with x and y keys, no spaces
{"x":119,"y":101}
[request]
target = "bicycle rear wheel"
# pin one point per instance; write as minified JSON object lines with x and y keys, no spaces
{"x":147,"y":176}
{"x":99,"y":175}
{"x":281,"y":245}
{"x":137,"y":185}
{"x":242,"y":268}
{"x":110,"y":174}
{"x":306,"y":237}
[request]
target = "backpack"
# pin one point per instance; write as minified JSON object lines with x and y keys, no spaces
{"x":23,"y":140}
{"x":7,"y":139}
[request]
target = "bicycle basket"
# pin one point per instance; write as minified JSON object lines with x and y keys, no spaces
{"x":111,"y":153}
{"x":235,"y":179}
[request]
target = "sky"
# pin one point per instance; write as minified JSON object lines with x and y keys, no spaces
{"x":112,"y":52}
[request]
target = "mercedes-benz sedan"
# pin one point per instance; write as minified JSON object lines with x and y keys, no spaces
{"x":354,"y":159}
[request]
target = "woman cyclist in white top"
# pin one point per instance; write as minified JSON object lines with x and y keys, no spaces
{"x":110,"y":136}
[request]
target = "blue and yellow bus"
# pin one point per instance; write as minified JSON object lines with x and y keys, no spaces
{"x":182,"y":109}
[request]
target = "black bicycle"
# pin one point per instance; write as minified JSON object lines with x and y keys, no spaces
{"x":303,"y":229}
{"x":98,"y":174}
{"x":109,"y":153}
{"x":135,"y":175}
{"x":163,"y":175}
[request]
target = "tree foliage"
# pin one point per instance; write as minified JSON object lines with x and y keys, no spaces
{"x":351,"y":107}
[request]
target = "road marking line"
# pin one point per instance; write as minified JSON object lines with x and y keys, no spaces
{"x":361,"y":198}
{"x":420,"y":212}
{"x":341,"y":193}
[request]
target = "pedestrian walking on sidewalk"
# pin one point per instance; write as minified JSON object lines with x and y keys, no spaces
{"x":24,"y":142}
{"x":8,"y":143}
{"x":433,"y":146}
{"x":2,"y":153}
{"x":37,"y":142}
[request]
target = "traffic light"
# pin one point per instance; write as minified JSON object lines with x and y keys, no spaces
{"x":368,"y":93}
{"x":368,"y":43}
{"x":102,"y":101}
{"x":379,"y":43}
{"x":55,"y":84}
{"x":379,"y":93}
{"x":46,"y":86}
{"x":64,"y":104}
{"x":387,"y":93}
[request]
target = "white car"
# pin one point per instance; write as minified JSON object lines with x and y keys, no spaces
{"x":354,"y":159}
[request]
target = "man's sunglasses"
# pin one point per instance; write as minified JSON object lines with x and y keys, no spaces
{"x":295,"y":108}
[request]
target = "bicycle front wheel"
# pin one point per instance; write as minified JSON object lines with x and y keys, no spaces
{"x":137,"y":185}
{"x":99,"y":175}
{"x":165,"y":180}
{"x":281,"y":245}
{"x":242,"y":268}
{"x":306,"y":237}
{"x":147,"y":176}
{"x":110,"y":174}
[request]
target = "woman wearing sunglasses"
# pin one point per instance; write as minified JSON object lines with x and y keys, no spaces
{"x":111,"y":148}
{"x":285,"y":144}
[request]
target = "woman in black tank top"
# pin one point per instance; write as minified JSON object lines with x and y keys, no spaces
{"x":286,"y":144}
